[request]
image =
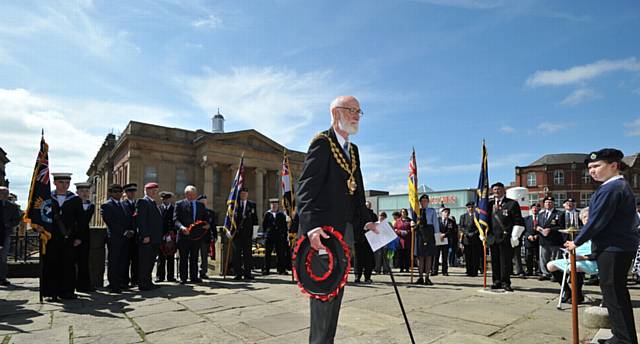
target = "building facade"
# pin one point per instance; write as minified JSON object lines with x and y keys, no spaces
{"x":456,"y":200}
{"x":175,"y":158}
{"x":3,"y":163}
{"x":565,"y":176}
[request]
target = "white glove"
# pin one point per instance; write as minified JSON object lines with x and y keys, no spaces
{"x":514,"y":242}
{"x":481,"y":238}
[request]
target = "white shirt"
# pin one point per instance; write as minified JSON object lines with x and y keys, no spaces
{"x":613,"y":178}
{"x":61,"y":199}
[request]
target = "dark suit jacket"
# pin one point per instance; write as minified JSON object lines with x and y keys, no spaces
{"x":68,"y":218}
{"x":167,"y":218}
{"x":502,"y":221}
{"x":10,"y":218}
{"x":183,"y":216}
{"x":246,"y":222}
{"x":529,"y":229}
{"x":274,"y":227}
{"x":115,"y":216}
{"x":468,"y":227}
{"x":213,"y":231}
{"x":567,"y":218}
{"x":149,"y":220}
{"x":555,"y":222}
{"x":130,"y":210}
{"x":88,"y":214}
{"x":323,"y":197}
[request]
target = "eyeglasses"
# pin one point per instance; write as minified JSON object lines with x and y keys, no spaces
{"x":352,"y":111}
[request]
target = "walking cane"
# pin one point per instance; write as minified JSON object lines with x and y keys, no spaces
{"x":226,"y":259}
{"x":404,"y":314}
{"x":413,"y":238}
{"x":564,"y":279}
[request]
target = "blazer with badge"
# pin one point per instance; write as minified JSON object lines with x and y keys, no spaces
{"x":149,"y":220}
{"x":246,"y":218}
{"x":555,"y":221}
{"x":183,"y":216}
{"x":323,"y":197}
{"x":115,"y":217}
{"x":470,"y":230}
{"x":503,"y":221}
{"x":68,"y":217}
{"x":274,"y":226}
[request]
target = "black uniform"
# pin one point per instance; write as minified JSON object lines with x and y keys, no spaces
{"x":207,"y":240}
{"x":118,"y":222}
{"x":365,"y":260}
{"x":246,"y":218}
{"x":448,"y":227}
{"x":189,"y":250}
{"x":83,"y":281}
{"x":473,"y":250}
{"x":166,"y":264}
{"x":132,"y":244}
{"x":503,"y":216}
{"x":532,"y":247}
{"x":149,"y":223}
{"x":274,"y":226}
{"x":59,"y":276}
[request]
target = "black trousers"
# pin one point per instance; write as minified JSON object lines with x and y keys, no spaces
{"x":403,"y":259}
{"x":473,"y":258}
{"x":242,"y":255}
{"x":189,"y":251}
{"x":279,"y":242}
{"x":364,"y":260}
{"x":613,"y":268}
{"x":83,"y":280}
{"x":532,"y":257}
{"x":147,"y":256}
{"x":117,"y":261}
{"x":166,"y":267}
{"x":442,"y":250}
{"x":58,"y":272}
{"x":517,"y":259}
{"x":132,"y":263}
{"x":501,"y":266}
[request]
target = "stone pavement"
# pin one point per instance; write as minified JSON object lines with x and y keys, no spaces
{"x":272,"y":310}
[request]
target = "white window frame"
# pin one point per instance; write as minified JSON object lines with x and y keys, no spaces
{"x":558,"y":177}
{"x":531,"y":179}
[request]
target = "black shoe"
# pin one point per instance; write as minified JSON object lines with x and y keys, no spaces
{"x":496,"y":286}
{"x":158,"y":280}
{"x":265,"y":273}
{"x":284,"y":273}
{"x":507,"y":288}
{"x":543,"y":278}
{"x":445,"y":274}
{"x":171,"y":279}
{"x":196,"y":280}
{"x":434,"y":274}
{"x":115,"y":290}
{"x":237,"y":278}
{"x":368,"y":281}
{"x":427,"y":281}
{"x":69,"y":296}
{"x":249,"y":277}
{"x":204,"y":276}
{"x":5,"y":283}
{"x":356,"y":281}
{"x":52,"y":299}
{"x":420,"y":281}
{"x":183,"y":282}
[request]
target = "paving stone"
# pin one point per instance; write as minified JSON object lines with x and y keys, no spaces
{"x":25,"y":321}
{"x":116,"y":336}
{"x":166,"y":320}
{"x":149,"y":309}
{"x":279,"y":324}
{"x":56,"y":335}
{"x":193,"y":334}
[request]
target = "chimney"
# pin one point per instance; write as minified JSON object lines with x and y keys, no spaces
{"x":218,"y":123}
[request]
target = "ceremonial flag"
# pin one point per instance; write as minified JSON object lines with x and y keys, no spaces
{"x":39,"y":213}
{"x":286,"y":184}
{"x":482,"y":196}
{"x":414,"y":204}
{"x":230,"y":225}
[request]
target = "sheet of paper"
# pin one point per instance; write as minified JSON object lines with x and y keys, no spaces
{"x":441,"y":241}
{"x":386,"y":235}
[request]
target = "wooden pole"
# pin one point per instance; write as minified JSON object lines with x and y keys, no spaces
{"x":484,"y":267}
{"x":574,"y":299}
{"x":226,"y":259}
{"x":413,"y":238}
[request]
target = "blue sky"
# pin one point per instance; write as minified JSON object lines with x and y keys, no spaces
{"x":530,"y":77}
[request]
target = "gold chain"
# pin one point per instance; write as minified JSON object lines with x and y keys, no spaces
{"x":342,"y":162}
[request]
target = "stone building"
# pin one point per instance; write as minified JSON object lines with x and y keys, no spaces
{"x":3,"y":162}
{"x":175,"y":158}
{"x":565,"y":176}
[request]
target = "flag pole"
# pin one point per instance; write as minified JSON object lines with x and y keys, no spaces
{"x":233,"y":214}
{"x":413,"y":238}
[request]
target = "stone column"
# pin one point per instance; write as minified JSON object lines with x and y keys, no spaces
{"x":207,"y":187}
{"x":259,"y":197}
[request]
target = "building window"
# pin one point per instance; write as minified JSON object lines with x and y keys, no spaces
{"x":560,"y":197}
{"x":586,"y":177}
{"x":150,"y":174}
{"x":558,"y":177}
{"x":585,"y":197}
{"x":217,"y":185}
{"x":181,"y":180}
{"x":531,"y":179}
{"x":533,"y":198}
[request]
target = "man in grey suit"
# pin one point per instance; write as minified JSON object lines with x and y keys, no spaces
{"x":331,"y":193}
{"x":149,"y":220}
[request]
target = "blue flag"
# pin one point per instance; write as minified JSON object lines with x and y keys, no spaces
{"x":39,"y":213}
{"x":482,"y":196}
{"x":230,"y":225}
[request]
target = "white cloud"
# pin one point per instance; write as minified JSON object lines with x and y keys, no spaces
{"x":582,"y":73}
{"x":210,"y":22}
{"x":550,"y":128}
{"x":507,"y":129}
{"x":276,"y":102}
{"x":633,"y":127}
{"x":73,"y":129}
{"x":579,"y":96}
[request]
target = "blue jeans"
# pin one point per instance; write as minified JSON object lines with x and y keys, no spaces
{"x":4,"y":252}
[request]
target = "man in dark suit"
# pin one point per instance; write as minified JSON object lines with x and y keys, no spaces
{"x":131,"y":234}
{"x":274,"y":227}
{"x":331,"y":193}
{"x":532,"y":241}
{"x":9,"y":218}
{"x":550,"y":221}
{"x":166,"y":264}
{"x":209,"y":240}
{"x":571,"y":215}
{"x":187,"y":212}
{"x":504,"y":234}
{"x":149,"y":222}
{"x":246,"y":217}
{"x":118,"y":223}
{"x":471,"y":240}
{"x":83,"y":281}
{"x":59,"y":276}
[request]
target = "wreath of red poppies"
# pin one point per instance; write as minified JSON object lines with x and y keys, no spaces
{"x":198,"y":226}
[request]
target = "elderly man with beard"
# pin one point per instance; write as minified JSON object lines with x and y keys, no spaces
{"x":331,"y":193}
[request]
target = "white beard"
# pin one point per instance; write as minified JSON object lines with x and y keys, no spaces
{"x":350,"y":129}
